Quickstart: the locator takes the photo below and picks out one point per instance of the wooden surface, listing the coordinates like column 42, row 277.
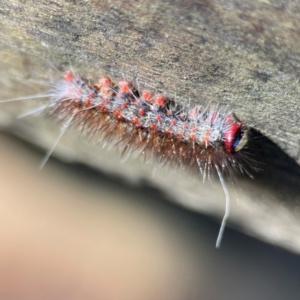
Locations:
column 241, row 54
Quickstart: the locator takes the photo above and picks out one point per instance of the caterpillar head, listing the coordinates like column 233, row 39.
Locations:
column 235, row 135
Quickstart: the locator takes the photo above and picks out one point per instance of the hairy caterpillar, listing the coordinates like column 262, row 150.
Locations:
column 202, row 139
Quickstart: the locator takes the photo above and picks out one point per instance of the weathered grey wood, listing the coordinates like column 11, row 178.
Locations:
column 244, row 54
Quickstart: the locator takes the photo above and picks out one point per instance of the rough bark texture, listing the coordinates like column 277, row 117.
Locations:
column 244, row 54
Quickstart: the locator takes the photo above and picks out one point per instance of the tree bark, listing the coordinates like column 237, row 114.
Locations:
column 240, row 54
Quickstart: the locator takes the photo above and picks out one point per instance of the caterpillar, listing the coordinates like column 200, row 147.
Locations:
column 203, row 139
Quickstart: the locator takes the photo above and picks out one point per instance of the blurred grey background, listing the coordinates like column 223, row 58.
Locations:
column 71, row 232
